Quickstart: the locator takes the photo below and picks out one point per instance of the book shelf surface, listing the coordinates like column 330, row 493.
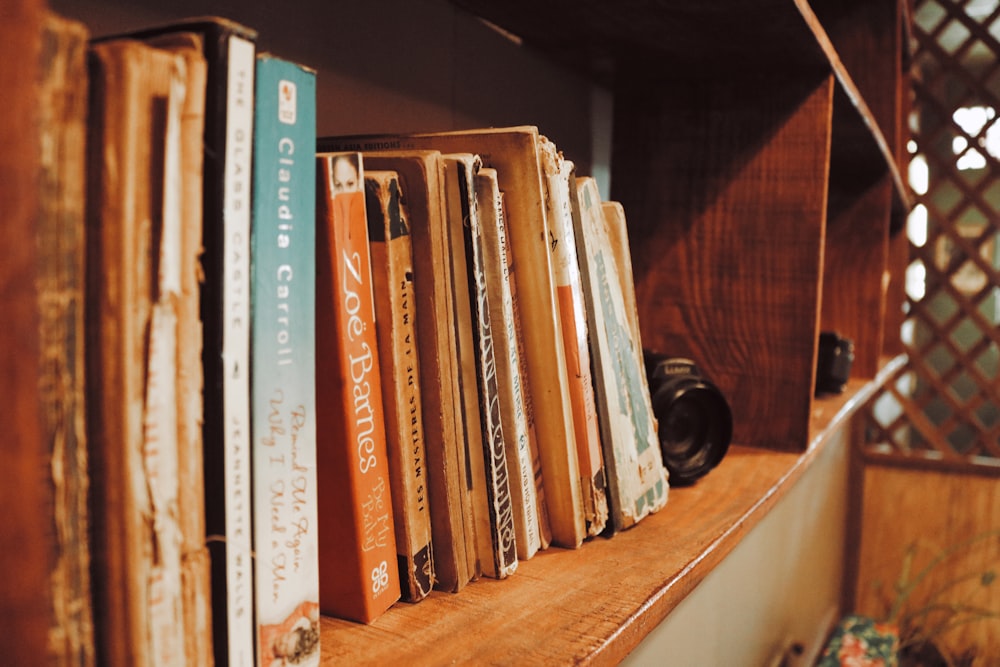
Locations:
column 596, row 603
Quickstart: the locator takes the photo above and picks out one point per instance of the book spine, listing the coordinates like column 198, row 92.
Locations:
column 235, row 592
column 573, row 329
column 130, row 354
column 60, row 246
column 475, row 511
column 359, row 579
column 494, row 452
column 544, row 523
column 636, row 475
column 283, row 386
column 26, row 543
column 510, row 384
column 395, row 313
column 161, row 449
column 195, row 561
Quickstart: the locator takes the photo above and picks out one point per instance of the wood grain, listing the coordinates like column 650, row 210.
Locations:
column 724, row 185
column 594, row 604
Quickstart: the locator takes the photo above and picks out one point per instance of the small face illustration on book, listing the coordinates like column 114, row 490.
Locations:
column 345, row 174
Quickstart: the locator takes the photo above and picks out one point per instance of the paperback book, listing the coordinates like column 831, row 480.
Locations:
column 395, row 317
column 359, row 578
column 283, row 372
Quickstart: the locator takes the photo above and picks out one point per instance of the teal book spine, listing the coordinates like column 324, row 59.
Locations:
column 282, row 373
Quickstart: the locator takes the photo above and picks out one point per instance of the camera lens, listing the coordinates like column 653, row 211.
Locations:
column 695, row 422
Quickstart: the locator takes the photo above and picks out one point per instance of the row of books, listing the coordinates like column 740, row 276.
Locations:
column 309, row 375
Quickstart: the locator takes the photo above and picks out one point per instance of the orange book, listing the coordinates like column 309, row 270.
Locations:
column 357, row 548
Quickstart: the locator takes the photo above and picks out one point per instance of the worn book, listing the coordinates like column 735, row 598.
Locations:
column 359, row 578
column 229, row 50
column 421, row 175
column 513, row 152
column 614, row 222
column 510, row 385
column 457, row 211
column 28, row 542
column 134, row 223
column 493, row 509
column 283, row 372
column 195, row 564
column 62, row 108
column 573, row 327
column 395, row 317
column 637, row 479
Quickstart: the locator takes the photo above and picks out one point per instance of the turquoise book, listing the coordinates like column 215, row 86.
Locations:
column 282, row 372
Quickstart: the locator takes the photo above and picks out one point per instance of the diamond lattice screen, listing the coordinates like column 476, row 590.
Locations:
column 943, row 406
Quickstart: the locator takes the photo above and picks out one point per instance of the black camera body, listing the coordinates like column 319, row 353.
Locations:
column 694, row 421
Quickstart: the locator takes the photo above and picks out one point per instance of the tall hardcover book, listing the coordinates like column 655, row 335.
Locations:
column 637, row 480
column 359, row 579
column 229, row 50
column 62, row 107
column 421, row 175
column 283, row 372
column 28, row 543
column 493, row 507
column 573, row 328
column 134, row 223
column 513, row 152
column 512, row 400
column 395, row 316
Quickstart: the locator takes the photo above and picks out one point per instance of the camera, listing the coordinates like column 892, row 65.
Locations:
column 695, row 423
column 834, row 358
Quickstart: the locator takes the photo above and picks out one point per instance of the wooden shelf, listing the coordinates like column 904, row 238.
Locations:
column 597, row 602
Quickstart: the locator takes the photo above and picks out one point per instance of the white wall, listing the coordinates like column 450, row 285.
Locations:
column 780, row 585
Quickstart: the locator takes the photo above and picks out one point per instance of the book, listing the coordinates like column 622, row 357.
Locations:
column 421, row 175
column 573, row 327
column 133, row 225
column 493, row 508
column 512, row 404
column 476, row 504
column 637, row 479
column 195, row 563
column 396, row 332
column 513, row 152
column 28, row 543
column 59, row 234
column 229, row 50
column 359, row 578
column 284, row 396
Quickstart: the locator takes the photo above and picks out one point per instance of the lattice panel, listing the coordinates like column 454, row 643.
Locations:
column 945, row 405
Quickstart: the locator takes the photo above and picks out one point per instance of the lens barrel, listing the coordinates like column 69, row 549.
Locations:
column 695, row 423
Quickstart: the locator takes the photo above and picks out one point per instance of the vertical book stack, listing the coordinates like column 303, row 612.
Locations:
column 322, row 376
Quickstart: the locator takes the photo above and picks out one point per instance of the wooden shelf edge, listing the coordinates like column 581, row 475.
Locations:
column 596, row 603
column 902, row 200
